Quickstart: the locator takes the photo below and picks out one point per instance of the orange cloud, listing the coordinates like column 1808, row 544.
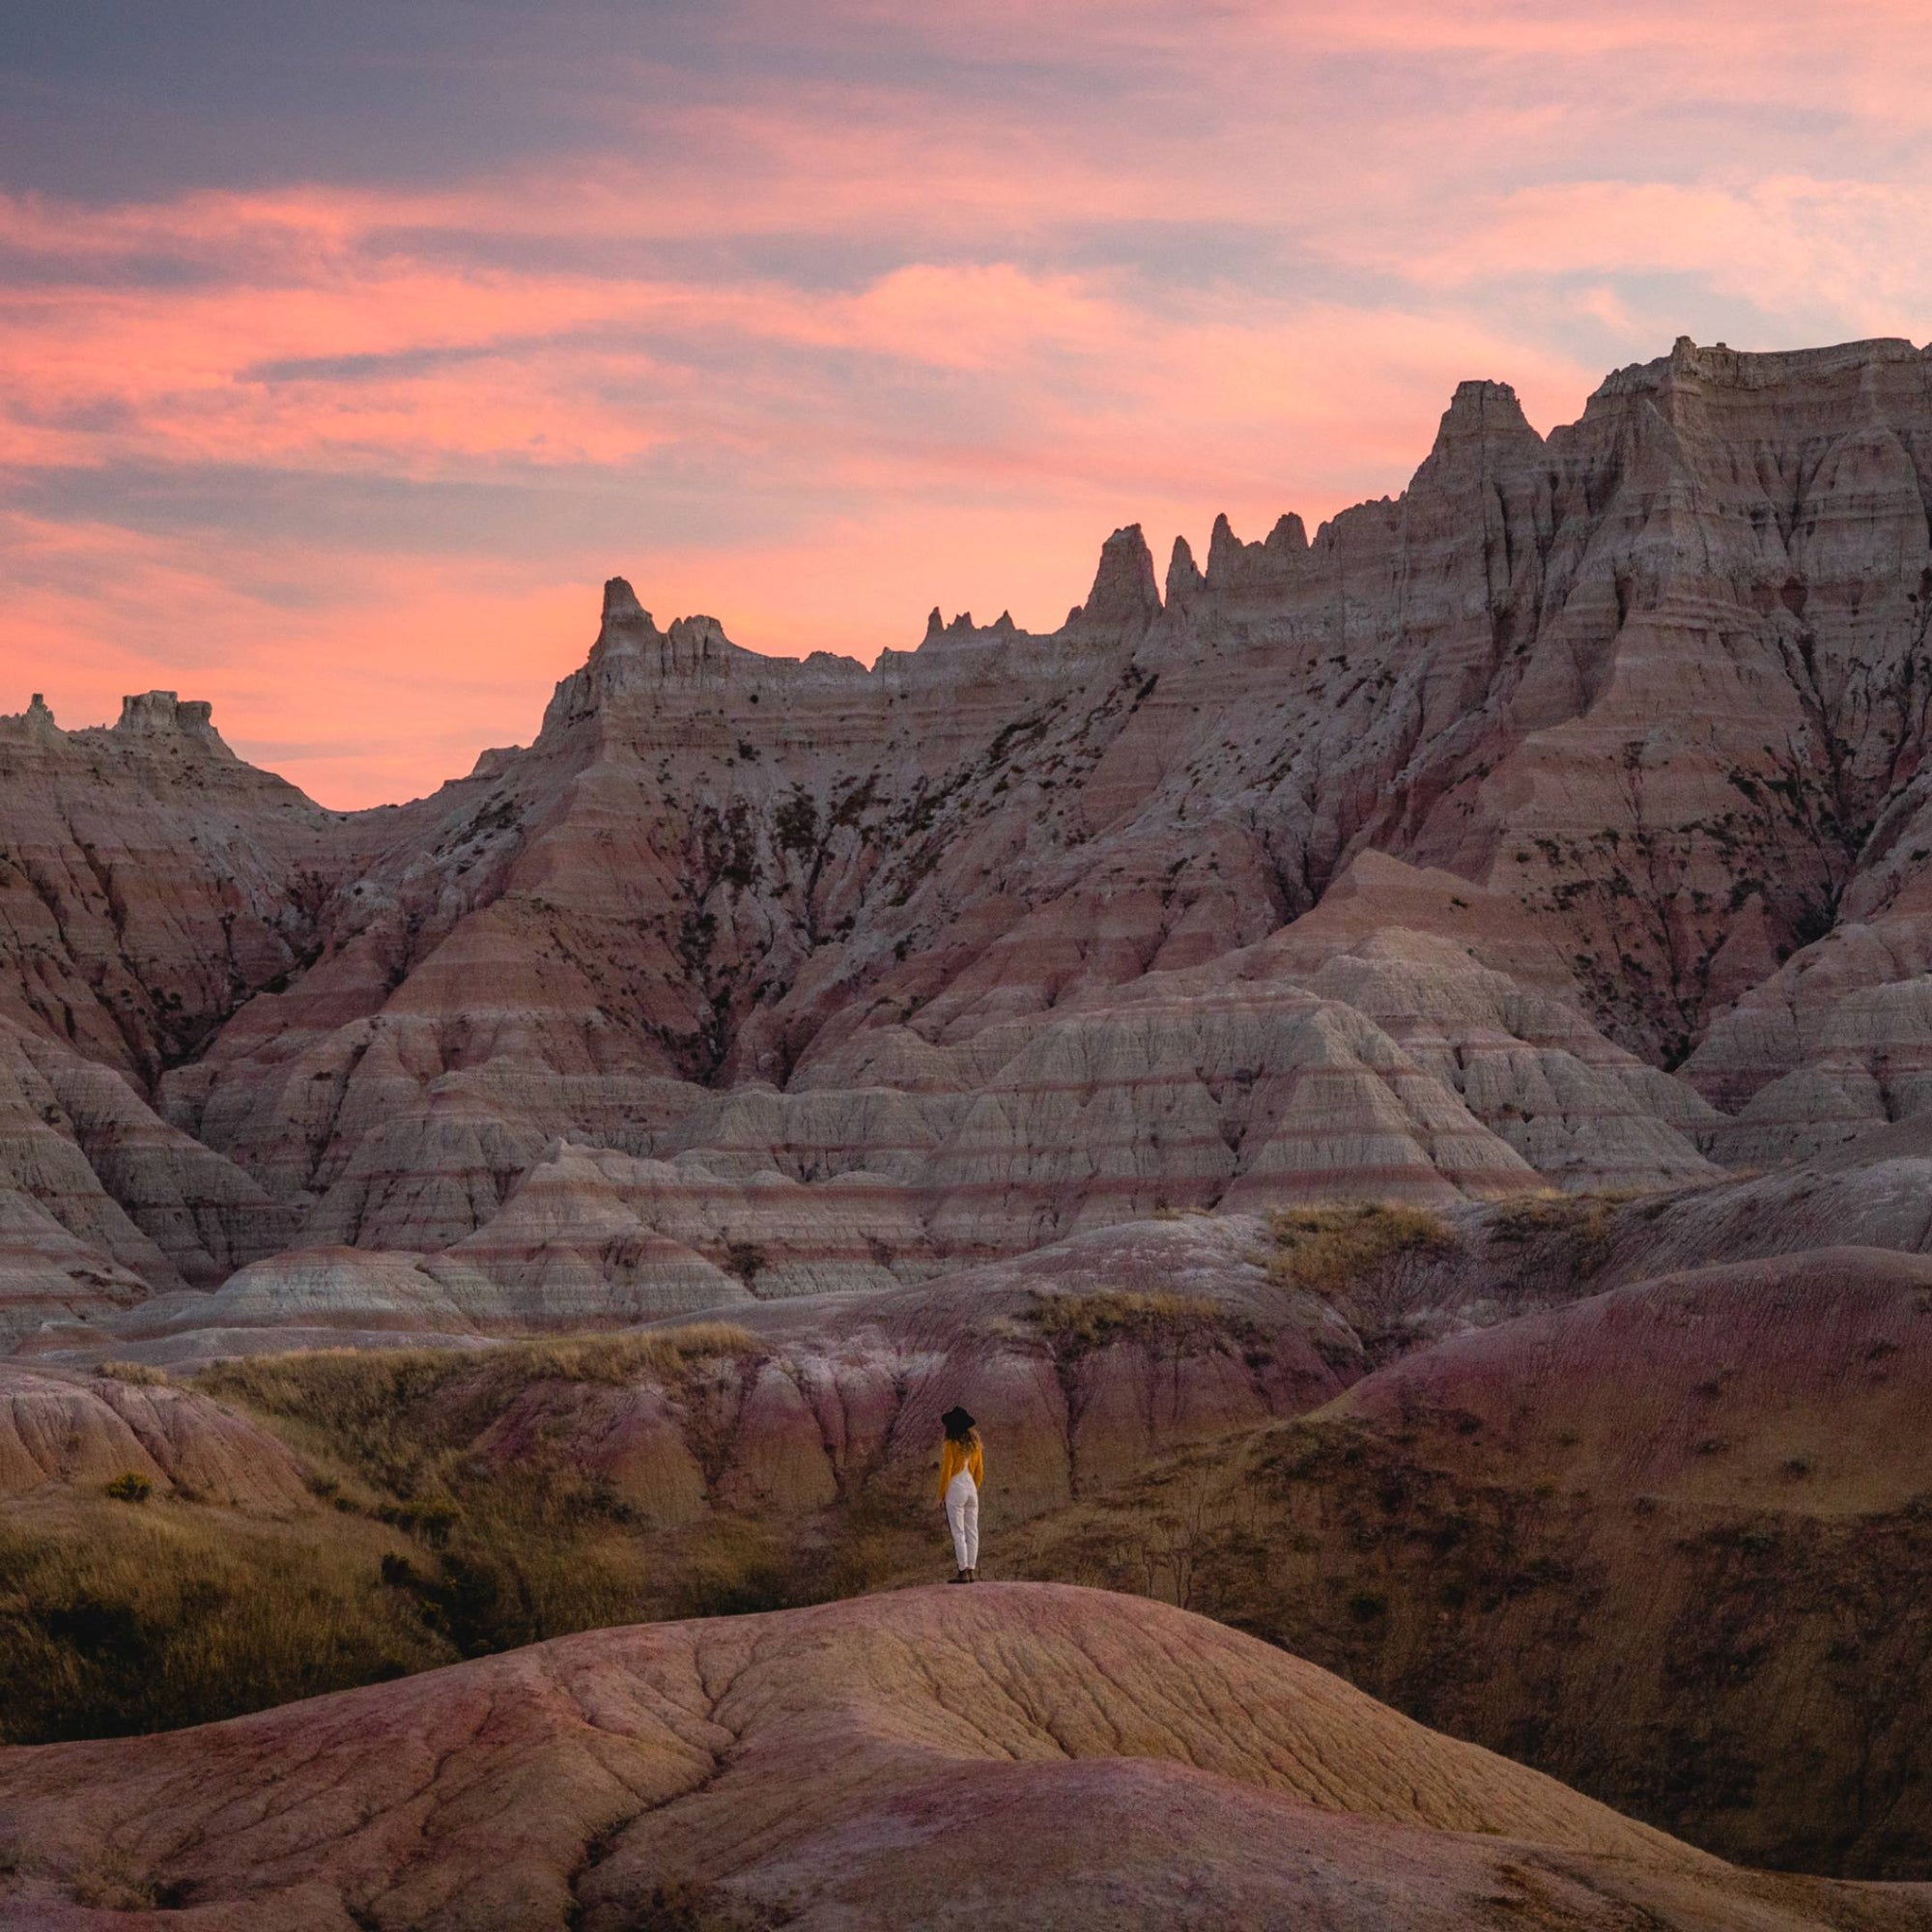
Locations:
column 349, row 459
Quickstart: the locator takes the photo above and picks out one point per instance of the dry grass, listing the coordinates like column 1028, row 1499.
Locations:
column 138, row 1373
column 1531, row 1214
column 125, row 1621
column 1073, row 1325
column 116, row 1620
column 362, row 1382
column 1571, row 1628
column 395, row 1417
column 1327, row 1251
column 1581, row 1222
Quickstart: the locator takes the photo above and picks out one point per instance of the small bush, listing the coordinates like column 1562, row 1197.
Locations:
column 1580, row 1221
column 431, row 1518
column 1326, row 1250
column 1533, row 1214
column 131, row 1487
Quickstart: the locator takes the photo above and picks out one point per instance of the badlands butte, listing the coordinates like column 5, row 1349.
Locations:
column 1392, row 1071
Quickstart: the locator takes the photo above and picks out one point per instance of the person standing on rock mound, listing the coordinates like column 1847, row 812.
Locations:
column 962, row 1469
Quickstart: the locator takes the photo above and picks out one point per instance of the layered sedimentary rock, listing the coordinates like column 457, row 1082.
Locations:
column 1834, row 1044
column 149, row 880
column 1411, row 859
column 997, row 1752
column 1086, row 1360
column 102, row 1203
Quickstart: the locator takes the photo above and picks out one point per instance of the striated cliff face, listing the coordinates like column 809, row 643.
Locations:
column 1558, row 823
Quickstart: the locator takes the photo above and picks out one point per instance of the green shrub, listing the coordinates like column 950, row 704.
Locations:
column 131, row 1487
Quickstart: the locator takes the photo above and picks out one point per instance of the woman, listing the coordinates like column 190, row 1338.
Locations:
column 962, row 1469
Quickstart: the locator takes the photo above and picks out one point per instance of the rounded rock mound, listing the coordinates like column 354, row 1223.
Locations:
column 1022, row 1756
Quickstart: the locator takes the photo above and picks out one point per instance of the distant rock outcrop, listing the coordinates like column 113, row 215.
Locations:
column 62, row 1430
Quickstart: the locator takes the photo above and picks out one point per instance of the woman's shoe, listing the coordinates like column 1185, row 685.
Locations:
column 973, row 1574
column 964, row 1577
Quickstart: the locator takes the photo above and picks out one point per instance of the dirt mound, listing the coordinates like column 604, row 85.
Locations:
column 896, row 1761
column 1537, row 1252
column 1799, row 1379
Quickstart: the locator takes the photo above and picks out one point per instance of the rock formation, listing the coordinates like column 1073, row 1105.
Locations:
column 1556, row 823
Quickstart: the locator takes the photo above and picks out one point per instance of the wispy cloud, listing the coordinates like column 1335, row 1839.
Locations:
column 812, row 321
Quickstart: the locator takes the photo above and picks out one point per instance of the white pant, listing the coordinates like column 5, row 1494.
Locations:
column 962, row 1518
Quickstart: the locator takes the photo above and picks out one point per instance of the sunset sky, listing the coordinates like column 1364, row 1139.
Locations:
column 349, row 348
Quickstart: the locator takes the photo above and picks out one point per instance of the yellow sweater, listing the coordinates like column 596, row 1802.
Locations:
column 957, row 1456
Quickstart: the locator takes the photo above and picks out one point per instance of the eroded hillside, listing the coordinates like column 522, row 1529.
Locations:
column 1555, row 824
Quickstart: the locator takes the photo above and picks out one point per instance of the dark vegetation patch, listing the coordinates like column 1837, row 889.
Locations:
column 174, row 1617
column 1748, row 1679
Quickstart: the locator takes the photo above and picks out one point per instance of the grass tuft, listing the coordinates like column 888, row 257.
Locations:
column 1075, row 1326
column 1327, row 1251
column 137, row 1373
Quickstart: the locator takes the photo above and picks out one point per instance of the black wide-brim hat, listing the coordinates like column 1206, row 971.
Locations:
column 955, row 1421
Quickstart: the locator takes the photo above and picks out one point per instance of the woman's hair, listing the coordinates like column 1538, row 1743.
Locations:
column 969, row 1435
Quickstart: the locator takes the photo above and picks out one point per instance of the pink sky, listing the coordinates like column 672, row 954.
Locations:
column 339, row 419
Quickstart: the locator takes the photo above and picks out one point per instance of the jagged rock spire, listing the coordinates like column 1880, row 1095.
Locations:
column 1125, row 595
column 1184, row 576
column 1234, row 565
column 1289, row 535
column 620, row 602
column 1224, row 550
